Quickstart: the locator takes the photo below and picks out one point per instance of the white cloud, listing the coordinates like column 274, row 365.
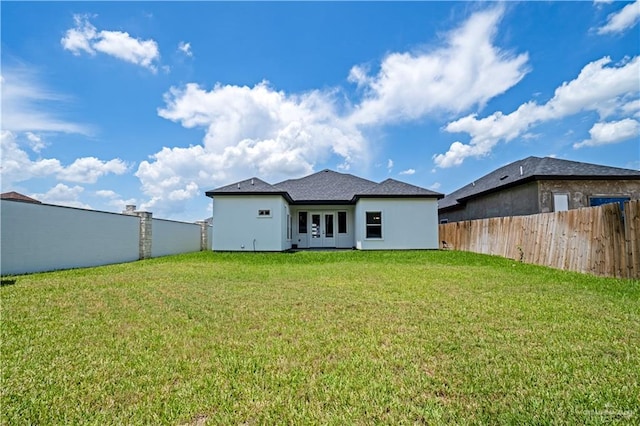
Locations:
column 84, row 37
column 27, row 104
column 89, row 169
column 611, row 132
column 259, row 131
column 389, row 165
column 114, row 199
column 468, row 71
column 185, row 48
column 408, row 172
column 608, row 90
column 248, row 131
column 63, row 195
column 622, row 20
column 435, row 186
column 36, row 142
column 79, row 39
column 17, row 166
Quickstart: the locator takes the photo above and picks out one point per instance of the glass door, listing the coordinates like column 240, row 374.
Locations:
column 322, row 230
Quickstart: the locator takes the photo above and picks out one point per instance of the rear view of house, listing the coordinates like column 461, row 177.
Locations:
column 324, row 210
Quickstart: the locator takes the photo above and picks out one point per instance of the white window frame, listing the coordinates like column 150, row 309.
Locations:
column 263, row 213
column 560, row 196
column 381, row 225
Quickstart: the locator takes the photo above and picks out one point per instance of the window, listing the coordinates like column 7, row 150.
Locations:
column 302, row 222
column 289, row 223
column 560, row 202
column 342, row 222
column 264, row 213
column 374, row 224
column 600, row 200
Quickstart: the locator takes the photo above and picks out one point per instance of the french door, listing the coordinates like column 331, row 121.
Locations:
column 322, row 229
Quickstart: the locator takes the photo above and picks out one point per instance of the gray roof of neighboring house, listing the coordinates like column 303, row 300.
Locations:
column 326, row 187
column 534, row 168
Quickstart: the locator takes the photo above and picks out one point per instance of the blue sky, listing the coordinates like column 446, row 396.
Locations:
column 154, row 103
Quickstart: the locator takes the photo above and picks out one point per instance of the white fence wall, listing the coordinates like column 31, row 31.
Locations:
column 43, row 237
column 39, row 237
column 169, row 237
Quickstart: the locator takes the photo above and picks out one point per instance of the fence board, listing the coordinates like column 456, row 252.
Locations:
column 592, row 240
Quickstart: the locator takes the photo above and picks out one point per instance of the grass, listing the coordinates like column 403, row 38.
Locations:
column 320, row 338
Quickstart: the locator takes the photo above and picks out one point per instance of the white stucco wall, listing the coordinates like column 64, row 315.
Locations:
column 237, row 226
column 37, row 237
column 407, row 223
column 169, row 237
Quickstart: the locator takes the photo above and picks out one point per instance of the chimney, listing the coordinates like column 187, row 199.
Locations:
column 521, row 171
column 129, row 209
column 251, row 181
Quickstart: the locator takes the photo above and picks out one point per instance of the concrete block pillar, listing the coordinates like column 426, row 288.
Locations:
column 146, row 235
column 204, row 235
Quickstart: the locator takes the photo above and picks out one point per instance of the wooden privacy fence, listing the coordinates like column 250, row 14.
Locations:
column 595, row 240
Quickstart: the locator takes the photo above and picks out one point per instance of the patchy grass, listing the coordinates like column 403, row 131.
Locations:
column 320, row 338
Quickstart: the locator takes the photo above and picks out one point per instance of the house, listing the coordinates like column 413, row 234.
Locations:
column 322, row 210
column 16, row 196
column 539, row 185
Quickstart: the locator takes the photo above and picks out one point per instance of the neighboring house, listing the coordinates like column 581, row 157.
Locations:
column 16, row 196
column 539, row 185
column 322, row 210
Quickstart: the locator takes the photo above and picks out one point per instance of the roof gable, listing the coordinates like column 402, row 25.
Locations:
column 394, row 188
column 325, row 185
column 534, row 168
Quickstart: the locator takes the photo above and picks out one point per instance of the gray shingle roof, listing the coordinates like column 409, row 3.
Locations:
column 534, row 168
column 395, row 188
column 326, row 187
column 251, row 185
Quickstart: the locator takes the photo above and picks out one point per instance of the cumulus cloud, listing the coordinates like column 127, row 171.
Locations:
column 185, row 48
column 114, row 199
column 260, row 131
column 600, row 87
column 28, row 105
column 408, row 172
column 35, row 141
column 63, row 195
column 17, row 166
column 389, row 165
column 622, row 20
column 84, row 37
column 611, row 132
column 467, row 71
column 248, row 131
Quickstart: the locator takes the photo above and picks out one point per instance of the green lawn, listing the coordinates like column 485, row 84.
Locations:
column 320, row 338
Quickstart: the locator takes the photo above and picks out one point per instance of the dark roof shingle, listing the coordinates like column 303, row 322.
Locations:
column 326, row 186
column 534, row 168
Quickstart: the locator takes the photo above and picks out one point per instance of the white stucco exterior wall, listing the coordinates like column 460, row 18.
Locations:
column 37, row 237
column 238, row 227
column 169, row 237
column 407, row 223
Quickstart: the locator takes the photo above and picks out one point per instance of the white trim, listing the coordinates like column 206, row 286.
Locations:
column 381, row 225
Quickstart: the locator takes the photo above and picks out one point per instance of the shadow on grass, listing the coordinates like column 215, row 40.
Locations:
column 7, row 282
